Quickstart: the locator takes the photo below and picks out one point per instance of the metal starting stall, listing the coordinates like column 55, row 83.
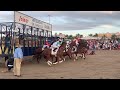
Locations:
column 32, row 33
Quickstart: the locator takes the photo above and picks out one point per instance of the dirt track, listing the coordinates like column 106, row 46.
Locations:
column 103, row 65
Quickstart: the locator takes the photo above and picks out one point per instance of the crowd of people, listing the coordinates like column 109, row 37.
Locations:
column 103, row 44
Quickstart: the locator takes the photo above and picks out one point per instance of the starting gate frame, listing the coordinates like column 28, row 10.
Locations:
column 30, row 37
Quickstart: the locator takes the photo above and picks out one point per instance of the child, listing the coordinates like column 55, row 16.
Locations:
column 10, row 61
column 10, row 64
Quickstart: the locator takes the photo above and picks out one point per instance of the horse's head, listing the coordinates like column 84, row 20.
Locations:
column 63, row 45
column 72, row 44
column 37, row 51
column 82, row 43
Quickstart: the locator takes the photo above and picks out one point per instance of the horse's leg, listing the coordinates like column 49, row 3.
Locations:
column 48, row 61
column 76, row 57
column 52, row 58
column 56, row 61
column 38, row 59
column 62, row 59
column 81, row 55
column 84, row 56
column 70, row 56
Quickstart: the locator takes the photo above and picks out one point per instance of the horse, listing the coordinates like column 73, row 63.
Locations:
column 80, row 49
column 67, row 52
column 61, row 53
column 49, row 56
column 37, row 54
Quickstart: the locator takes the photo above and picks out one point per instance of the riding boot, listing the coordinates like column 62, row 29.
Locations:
column 54, row 49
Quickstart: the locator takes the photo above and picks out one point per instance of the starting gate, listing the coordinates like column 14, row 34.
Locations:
column 32, row 33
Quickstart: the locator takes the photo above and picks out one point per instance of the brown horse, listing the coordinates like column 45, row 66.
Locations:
column 38, row 53
column 49, row 57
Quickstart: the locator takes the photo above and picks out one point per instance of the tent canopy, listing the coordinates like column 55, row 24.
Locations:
column 86, row 38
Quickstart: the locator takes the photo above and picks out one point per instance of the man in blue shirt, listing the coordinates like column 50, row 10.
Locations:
column 18, row 56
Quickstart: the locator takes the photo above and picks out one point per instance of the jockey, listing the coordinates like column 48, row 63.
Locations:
column 76, row 41
column 47, row 45
column 56, row 44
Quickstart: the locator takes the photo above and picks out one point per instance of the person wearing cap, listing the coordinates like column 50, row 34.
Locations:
column 76, row 41
column 47, row 45
column 55, row 46
column 18, row 57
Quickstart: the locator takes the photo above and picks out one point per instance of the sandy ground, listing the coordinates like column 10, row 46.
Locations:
column 103, row 65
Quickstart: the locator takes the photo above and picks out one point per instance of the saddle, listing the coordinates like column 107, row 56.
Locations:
column 54, row 51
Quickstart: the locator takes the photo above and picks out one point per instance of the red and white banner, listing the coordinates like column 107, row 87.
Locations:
column 23, row 19
column 27, row 20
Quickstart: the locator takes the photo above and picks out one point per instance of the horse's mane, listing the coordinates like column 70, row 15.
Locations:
column 63, row 43
column 73, row 43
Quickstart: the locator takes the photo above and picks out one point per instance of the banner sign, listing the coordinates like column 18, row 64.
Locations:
column 27, row 20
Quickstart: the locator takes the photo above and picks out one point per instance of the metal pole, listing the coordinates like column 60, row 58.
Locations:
column 13, row 33
column 49, row 19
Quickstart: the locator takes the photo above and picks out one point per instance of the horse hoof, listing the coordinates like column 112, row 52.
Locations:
column 61, row 61
column 49, row 63
column 55, row 63
column 76, row 58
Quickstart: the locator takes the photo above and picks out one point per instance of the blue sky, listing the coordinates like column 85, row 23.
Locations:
column 73, row 22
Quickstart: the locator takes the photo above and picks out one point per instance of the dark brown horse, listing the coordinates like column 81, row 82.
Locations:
column 80, row 49
column 68, row 52
column 37, row 54
column 60, row 53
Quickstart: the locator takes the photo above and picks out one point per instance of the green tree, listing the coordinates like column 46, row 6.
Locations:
column 91, row 35
column 113, row 36
column 103, row 37
column 81, row 36
column 66, row 36
column 70, row 36
column 96, row 35
column 78, row 35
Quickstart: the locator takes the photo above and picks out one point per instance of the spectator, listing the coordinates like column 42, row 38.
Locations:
column 18, row 57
